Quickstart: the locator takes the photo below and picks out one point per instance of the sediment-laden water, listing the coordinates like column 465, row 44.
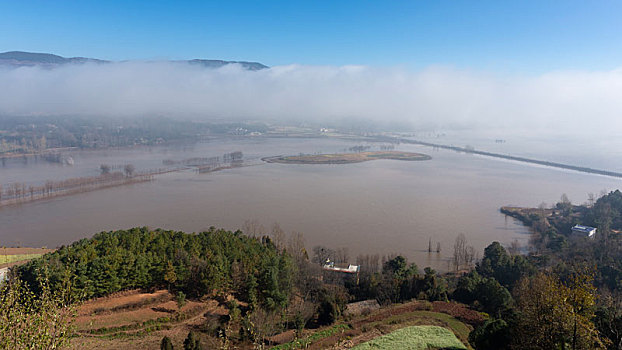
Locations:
column 384, row 206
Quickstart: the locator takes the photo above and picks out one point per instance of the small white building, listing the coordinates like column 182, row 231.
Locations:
column 349, row 268
column 585, row 231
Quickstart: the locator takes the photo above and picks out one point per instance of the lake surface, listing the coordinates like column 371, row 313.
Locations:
column 381, row 206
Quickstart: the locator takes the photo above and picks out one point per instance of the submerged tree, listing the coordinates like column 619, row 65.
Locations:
column 105, row 169
column 129, row 170
column 464, row 255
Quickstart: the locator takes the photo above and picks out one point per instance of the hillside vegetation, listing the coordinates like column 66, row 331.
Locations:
column 415, row 338
column 214, row 262
column 264, row 287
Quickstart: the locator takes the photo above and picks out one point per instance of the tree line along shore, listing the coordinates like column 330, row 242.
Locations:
column 20, row 193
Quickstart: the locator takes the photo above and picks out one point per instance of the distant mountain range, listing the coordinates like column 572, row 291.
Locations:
column 20, row 59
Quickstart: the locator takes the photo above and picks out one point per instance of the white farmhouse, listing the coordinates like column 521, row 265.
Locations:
column 585, row 231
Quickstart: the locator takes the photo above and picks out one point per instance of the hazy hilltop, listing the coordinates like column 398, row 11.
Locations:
column 20, row 58
column 220, row 63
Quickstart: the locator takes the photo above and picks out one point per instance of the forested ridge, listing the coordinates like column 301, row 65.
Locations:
column 210, row 262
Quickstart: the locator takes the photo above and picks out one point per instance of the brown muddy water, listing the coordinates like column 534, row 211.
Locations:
column 381, row 206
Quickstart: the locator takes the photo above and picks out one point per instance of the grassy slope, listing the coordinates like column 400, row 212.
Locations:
column 6, row 259
column 422, row 317
column 415, row 338
column 11, row 256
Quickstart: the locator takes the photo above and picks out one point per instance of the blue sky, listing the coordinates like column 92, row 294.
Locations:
column 498, row 36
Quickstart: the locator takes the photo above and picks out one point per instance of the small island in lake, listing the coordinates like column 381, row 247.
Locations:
column 346, row 158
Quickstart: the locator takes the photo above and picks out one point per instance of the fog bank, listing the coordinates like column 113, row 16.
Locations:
column 436, row 97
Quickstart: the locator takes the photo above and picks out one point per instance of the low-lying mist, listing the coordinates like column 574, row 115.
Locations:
column 435, row 97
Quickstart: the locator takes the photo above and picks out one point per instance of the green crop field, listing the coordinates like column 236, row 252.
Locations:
column 5, row 259
column 415, row 338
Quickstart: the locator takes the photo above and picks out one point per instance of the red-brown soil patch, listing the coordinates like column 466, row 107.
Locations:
column 459, row 311
column 119, row 300
column 284, row 337
column 393, row 311
column 137, row 320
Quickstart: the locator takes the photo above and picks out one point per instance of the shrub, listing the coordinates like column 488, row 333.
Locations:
column 192, row 342
column 493, row 334
column 181, row 299
column 166, row 344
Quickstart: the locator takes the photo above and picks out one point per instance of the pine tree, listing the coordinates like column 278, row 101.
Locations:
column 166, row 344
column 192, row 342
column 169, row 275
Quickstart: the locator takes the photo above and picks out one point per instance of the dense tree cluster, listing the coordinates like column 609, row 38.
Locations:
column 212, row 262
column 553, row 308
column 606, row 213
column 398, row 281
column 485, row 292
column 504, row 268
column 560, row 253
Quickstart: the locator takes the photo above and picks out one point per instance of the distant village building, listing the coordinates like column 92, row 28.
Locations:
column 343, row 268
column 347, row 268
column 585, row 231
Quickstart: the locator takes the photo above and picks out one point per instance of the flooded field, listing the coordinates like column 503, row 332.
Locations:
column 384, row 206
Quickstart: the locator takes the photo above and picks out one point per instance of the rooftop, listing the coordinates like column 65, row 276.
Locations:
column 581, row 228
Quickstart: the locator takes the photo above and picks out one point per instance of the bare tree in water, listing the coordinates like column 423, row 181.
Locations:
column 105, row 169
column 464, row 255
column 129, row 170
